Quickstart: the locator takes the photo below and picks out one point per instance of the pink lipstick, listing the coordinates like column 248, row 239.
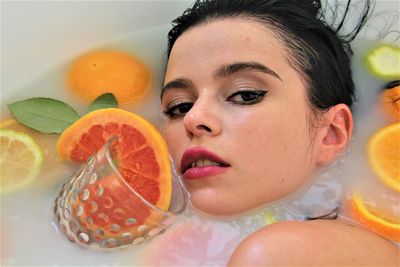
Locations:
column 199, row 162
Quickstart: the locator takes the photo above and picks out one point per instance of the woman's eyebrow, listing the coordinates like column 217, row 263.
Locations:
column 229, row 69
column 176, row 83
column 222, row 71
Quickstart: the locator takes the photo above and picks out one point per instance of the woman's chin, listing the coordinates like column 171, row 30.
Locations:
column 221, row 203
column 215, row 210
column 218, row 205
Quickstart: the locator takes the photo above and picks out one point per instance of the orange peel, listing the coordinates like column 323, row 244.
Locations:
column 385, row 225
column 384, row 155
column 100, row 72
column 390, row 100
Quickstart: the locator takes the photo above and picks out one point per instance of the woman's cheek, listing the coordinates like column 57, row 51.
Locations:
column 177, row 142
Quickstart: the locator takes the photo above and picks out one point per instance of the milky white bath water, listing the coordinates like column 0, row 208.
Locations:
column 29, row 236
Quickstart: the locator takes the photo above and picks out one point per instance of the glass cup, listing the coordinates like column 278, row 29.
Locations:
column 98, row 208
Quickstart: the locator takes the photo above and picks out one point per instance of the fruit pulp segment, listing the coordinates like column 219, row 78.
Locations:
column 137, row 161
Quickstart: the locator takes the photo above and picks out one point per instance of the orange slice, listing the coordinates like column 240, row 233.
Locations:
column 390, row 99
column 100, row 72
column 142, row 157
column 384, row 155
column 383, row 224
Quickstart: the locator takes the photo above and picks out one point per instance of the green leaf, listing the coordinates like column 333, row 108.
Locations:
column 45, row 115
column 104, row 101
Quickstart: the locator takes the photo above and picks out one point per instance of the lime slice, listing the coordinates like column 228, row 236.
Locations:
column 20, row 160
column 384, row 61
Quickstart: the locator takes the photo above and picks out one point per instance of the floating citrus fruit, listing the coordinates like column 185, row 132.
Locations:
column 384, row 155
column 140, row 151
column 115, row 72
column 8, row 123
column 46, row 142
column 20, row 162
column 386, row 225
column 390, row 99
column 384, row 61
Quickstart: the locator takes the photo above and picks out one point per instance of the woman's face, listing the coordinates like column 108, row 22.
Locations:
column 237, row 118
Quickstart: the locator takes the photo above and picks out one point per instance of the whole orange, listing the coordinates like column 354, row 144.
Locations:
column 100, row 72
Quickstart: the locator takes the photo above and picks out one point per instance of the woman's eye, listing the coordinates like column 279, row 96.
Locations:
column 247, row 97
column 178, row 110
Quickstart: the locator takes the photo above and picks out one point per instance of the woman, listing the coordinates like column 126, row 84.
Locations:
column 257, row 96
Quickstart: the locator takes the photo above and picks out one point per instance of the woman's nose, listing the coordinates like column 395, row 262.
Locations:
column 202, row 119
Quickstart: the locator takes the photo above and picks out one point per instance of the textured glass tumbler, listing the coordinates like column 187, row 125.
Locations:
column 98, row 208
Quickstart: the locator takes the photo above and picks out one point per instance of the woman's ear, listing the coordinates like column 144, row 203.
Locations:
column 335, row 134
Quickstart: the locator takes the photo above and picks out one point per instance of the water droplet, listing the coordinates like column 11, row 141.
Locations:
column 93, row 178
column 74, row 226
column 93, row 206
column 79, row 210
column 114, row 228
column 126, row 237
column 138, row 240
column 85, row 194
column 111, row 243
column 103, row 217
column 99, row 190
column 89, row 220
column 130, row 221
column 66, row 214
column 83, row 237
column 98, row 235
column 62, row 202
column 119, row 213
column 143, row 228
column 108, row 202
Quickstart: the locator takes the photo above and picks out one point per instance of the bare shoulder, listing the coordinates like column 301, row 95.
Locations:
column 315, row 243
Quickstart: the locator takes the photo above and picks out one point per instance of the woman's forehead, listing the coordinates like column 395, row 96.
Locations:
column 204, row 49
column 244, row 30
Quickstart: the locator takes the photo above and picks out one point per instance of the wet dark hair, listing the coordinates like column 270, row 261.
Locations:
column 317, row 49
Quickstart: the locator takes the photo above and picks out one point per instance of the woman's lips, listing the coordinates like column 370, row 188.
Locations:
column 191, row 172
column 203, row 172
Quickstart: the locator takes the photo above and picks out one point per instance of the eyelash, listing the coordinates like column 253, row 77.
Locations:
column 187, row 105
column 259, row 94
column 170, row 112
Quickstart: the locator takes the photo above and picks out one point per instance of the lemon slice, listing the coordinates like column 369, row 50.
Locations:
column 7, row 123
column 20, row 160
column 384, row 155
column 384, row 61
column 375, row 220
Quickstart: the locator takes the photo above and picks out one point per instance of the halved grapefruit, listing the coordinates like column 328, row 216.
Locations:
column 143, row 162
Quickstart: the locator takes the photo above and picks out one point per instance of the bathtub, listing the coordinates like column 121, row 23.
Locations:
column 68, row 27
column 35, row 37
